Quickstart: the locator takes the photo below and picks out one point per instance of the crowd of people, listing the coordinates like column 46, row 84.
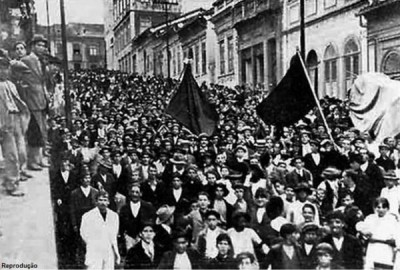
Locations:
column 132, row 188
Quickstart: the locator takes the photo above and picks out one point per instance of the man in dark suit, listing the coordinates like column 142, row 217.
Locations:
column 34, row 93
column 348, row 252
column 146, row 254
column 177, row 196
column 384, row 161
column 176, row 166
column 104, row 180
column 299, row 174
column 63, row 183
column 258, row 213
column 82, row 200
column 153, row 190
column 308, row 243
column 314, row 162
column 132, row 215
column 182, row 257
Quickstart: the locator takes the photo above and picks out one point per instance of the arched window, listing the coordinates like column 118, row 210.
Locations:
column 330, row 65
column 312, row 66
column 351, row 62
column 391, row 64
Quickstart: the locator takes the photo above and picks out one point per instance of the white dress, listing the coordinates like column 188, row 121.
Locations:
column 381, row 228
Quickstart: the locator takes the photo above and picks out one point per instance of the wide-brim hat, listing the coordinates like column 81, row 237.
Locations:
column 240, row 147
column 38, row 38
column 303, row 187
column 105, row 163
column 331, row 173
column 164, row 213
column 178, row 160
column 384, row 146
column 390, row 175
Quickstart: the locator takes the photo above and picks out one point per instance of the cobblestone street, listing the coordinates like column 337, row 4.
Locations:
column 26, row 225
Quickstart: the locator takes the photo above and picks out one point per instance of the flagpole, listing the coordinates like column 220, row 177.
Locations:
column 317, row 101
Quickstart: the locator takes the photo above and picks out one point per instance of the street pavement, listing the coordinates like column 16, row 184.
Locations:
column 26, row 225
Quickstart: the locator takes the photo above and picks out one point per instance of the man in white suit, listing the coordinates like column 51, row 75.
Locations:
column 99, row 230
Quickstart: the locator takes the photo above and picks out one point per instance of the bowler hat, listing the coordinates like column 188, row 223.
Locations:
column 331, row 173
column 303, row 187
column 178, row 159
column 212, row 212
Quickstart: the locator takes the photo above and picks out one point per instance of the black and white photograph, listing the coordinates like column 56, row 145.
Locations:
column 200, row 134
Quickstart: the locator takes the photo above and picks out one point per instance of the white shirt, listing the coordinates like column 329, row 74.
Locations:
column 316, row 157
column 364, row 166
column 117, row 169
column 393, row 196
column 244, row 241
column 338, row 242
column 166, row 227
column 182, row 262
column 211, row 243
column 260, row 214
column 306, row 148
column 177, row 193
column 148, row 249
column 85, row 190
column 308, row 248
column 65, row 176
column 135, row 207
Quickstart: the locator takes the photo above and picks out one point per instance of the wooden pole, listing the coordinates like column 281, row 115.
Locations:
column 48, row 25
column 65, row 66
column 317, row 102
column 302, row 32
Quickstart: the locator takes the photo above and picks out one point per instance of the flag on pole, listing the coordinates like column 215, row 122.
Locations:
column 291, row 99
column 375, row 105
column 191, row 108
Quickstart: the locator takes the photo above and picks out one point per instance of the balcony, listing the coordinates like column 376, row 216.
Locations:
column 245, row 10
column 77, row 57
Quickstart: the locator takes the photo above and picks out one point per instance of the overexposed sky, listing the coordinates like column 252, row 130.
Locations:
column 85, row 11
column 92, row 11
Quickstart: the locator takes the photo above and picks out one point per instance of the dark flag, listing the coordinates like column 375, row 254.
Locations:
column 191, row 107
column 291, row 99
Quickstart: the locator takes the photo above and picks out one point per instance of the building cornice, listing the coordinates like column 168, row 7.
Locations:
column 324, row 17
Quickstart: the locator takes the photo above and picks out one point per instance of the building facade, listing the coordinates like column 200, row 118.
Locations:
column 189, row 36
column 383, row 35
column 133, row 17
column 85, row 44
column 336, row 42
column 111, row 62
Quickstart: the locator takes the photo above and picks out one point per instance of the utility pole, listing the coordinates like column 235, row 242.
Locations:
column 48, row 24
column 65, row 66
column 166, row 4
column 302, row 32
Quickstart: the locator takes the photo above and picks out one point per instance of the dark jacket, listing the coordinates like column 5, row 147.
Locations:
column 80, row 204
column 260, row 228
column 278, row 259
column 293, row 178
column 136, row 258
column 130, row 225
column 168, row 259
column 351, row 254
column 221, row 263
column 153, row 196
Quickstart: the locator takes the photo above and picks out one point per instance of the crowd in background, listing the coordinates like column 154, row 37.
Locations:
column 247, row 196
column 132, row 188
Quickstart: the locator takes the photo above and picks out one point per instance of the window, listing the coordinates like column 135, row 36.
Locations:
column 59, row 49
column 391, row 64
column 312, row 66
column 230, row 55
column 329, row 3
column 197, row 58
column 203, row 58
column 351, row 62
column 93, row 50
column 76, row 49
column 145, row 23
column 222, row 57
column 311, row 7
column 330, row 65
column 294, row 13
column 179, row 60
